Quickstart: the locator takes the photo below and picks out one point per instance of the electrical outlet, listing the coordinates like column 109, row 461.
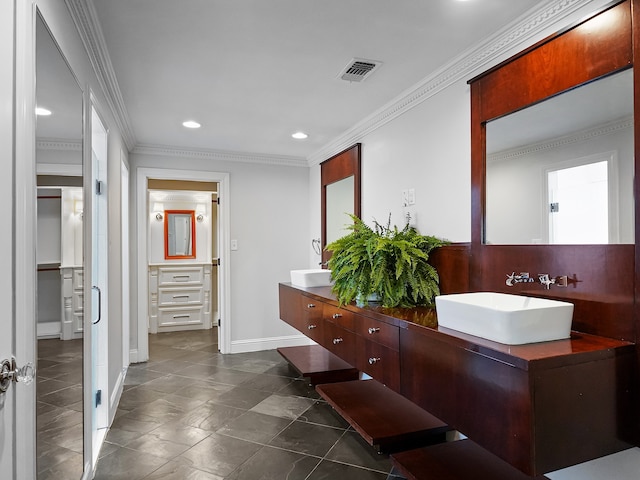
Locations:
column 411, row 196
column 234, row 244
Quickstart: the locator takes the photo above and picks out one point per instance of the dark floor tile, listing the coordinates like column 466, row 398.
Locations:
column 307, row 438
column 352, row 449
column 231, row 377
column 153, row 444
column 70, row 468
column 210, row 416
column 180, row 433
column 240, row 397
column 267, row 383
column 64, row 397
column 125, row 464
column 301, row 388
column 218, row 454
column 254, row 427
column 179, row 471
column 324, row 414
column 283, row 370
column 49, row 455
column 272, row 463
column 328, row 470
column 284, row 406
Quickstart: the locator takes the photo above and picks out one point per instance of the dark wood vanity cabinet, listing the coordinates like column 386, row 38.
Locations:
column 539, row 407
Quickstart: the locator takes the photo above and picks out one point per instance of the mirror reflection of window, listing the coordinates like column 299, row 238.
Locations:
column 593, row 122
column 179, row 234
column 339, row 204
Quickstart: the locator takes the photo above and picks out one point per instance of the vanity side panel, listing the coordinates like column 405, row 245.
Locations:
column 485, row 399
column 290, row 301
column 582, row 411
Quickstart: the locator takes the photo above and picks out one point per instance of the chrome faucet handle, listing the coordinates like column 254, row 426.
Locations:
column 545, row 280
column 511, row 279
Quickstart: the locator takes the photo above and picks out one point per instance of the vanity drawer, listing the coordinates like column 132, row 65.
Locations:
column 379, row 332
column 381, row 362
column 340, row 342
column 311, row 322
column 182, row 275
column 179, row 296
column 168, row 317
column 339, row 316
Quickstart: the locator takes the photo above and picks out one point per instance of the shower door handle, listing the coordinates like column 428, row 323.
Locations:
column 99, row 304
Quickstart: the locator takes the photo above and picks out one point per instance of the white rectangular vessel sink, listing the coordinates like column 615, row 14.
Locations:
column 504, row 318
column 315, row 277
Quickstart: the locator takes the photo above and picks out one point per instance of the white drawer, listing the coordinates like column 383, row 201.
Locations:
column 183, row 275
column 179, row 296
column 168, row 317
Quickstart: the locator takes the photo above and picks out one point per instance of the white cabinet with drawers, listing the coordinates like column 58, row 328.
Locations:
column 72, row 279
column 179, row 297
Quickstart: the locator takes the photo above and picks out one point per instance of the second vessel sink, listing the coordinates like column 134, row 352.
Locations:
column 504, row 318
column 315, row 277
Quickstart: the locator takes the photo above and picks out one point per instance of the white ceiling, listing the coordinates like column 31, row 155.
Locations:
column 252, row 72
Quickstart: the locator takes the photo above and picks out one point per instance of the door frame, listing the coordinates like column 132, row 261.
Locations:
column 141, row 354
column 24, row 234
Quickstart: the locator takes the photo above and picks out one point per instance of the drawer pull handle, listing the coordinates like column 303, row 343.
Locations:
column 336, row 315
column 310, row 305
column 373, row 330
column 182, row 316
column 181, row 276
column 373, row 360
column 338, row 340
column 181, row 296
column 311, row 327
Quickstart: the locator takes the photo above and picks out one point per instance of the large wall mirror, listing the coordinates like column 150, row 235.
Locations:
column 561, row 171
column 340, row 195
column 59, row 140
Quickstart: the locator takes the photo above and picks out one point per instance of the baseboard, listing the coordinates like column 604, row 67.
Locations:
column 117, row 393
column 259, row 344
column 48, row 330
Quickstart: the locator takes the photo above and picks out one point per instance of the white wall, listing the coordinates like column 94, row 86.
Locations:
column 268, row 205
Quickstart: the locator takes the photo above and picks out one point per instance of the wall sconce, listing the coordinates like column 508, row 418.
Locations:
column 201, row 210
column 159, row 216
column 77, row 207
column 200, row 217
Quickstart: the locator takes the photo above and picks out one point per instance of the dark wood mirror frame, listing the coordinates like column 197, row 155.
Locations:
column 602, row 282
column 342, row 165
column 167, row 214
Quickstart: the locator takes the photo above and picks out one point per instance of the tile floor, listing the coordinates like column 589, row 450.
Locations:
column 192, row 413
column 59, row 409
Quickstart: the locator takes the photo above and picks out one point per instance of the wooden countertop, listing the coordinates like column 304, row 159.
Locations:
column 580, row 348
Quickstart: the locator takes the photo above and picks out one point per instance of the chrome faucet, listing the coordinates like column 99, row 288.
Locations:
column 523, row 277
column 547, row 281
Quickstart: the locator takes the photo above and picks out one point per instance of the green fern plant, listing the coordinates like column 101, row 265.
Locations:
column 388, row 262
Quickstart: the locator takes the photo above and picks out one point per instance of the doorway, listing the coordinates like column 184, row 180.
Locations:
column 582, row 207
column 145, row 212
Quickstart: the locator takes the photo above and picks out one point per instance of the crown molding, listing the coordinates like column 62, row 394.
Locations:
column 220, row 156
column 84, row 16
column 563, row 141
column 59, row 144
column 490, row 52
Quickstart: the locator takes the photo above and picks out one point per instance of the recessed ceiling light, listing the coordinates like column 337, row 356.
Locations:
column 299, row 135
column 42, row 111
column 191, row 124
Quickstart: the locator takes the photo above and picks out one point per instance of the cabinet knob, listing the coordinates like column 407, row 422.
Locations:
column 373, row 360
column 336, row 315
column 310, row 305
column 373, row 330
column 338, row 340
column 311, row 327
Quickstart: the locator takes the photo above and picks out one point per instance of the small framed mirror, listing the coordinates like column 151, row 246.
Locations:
column 179, row 234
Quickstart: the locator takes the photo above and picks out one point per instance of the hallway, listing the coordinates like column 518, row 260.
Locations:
column 192, row 413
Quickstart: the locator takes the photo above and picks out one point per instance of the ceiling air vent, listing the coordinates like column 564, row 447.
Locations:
column 358, row 69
